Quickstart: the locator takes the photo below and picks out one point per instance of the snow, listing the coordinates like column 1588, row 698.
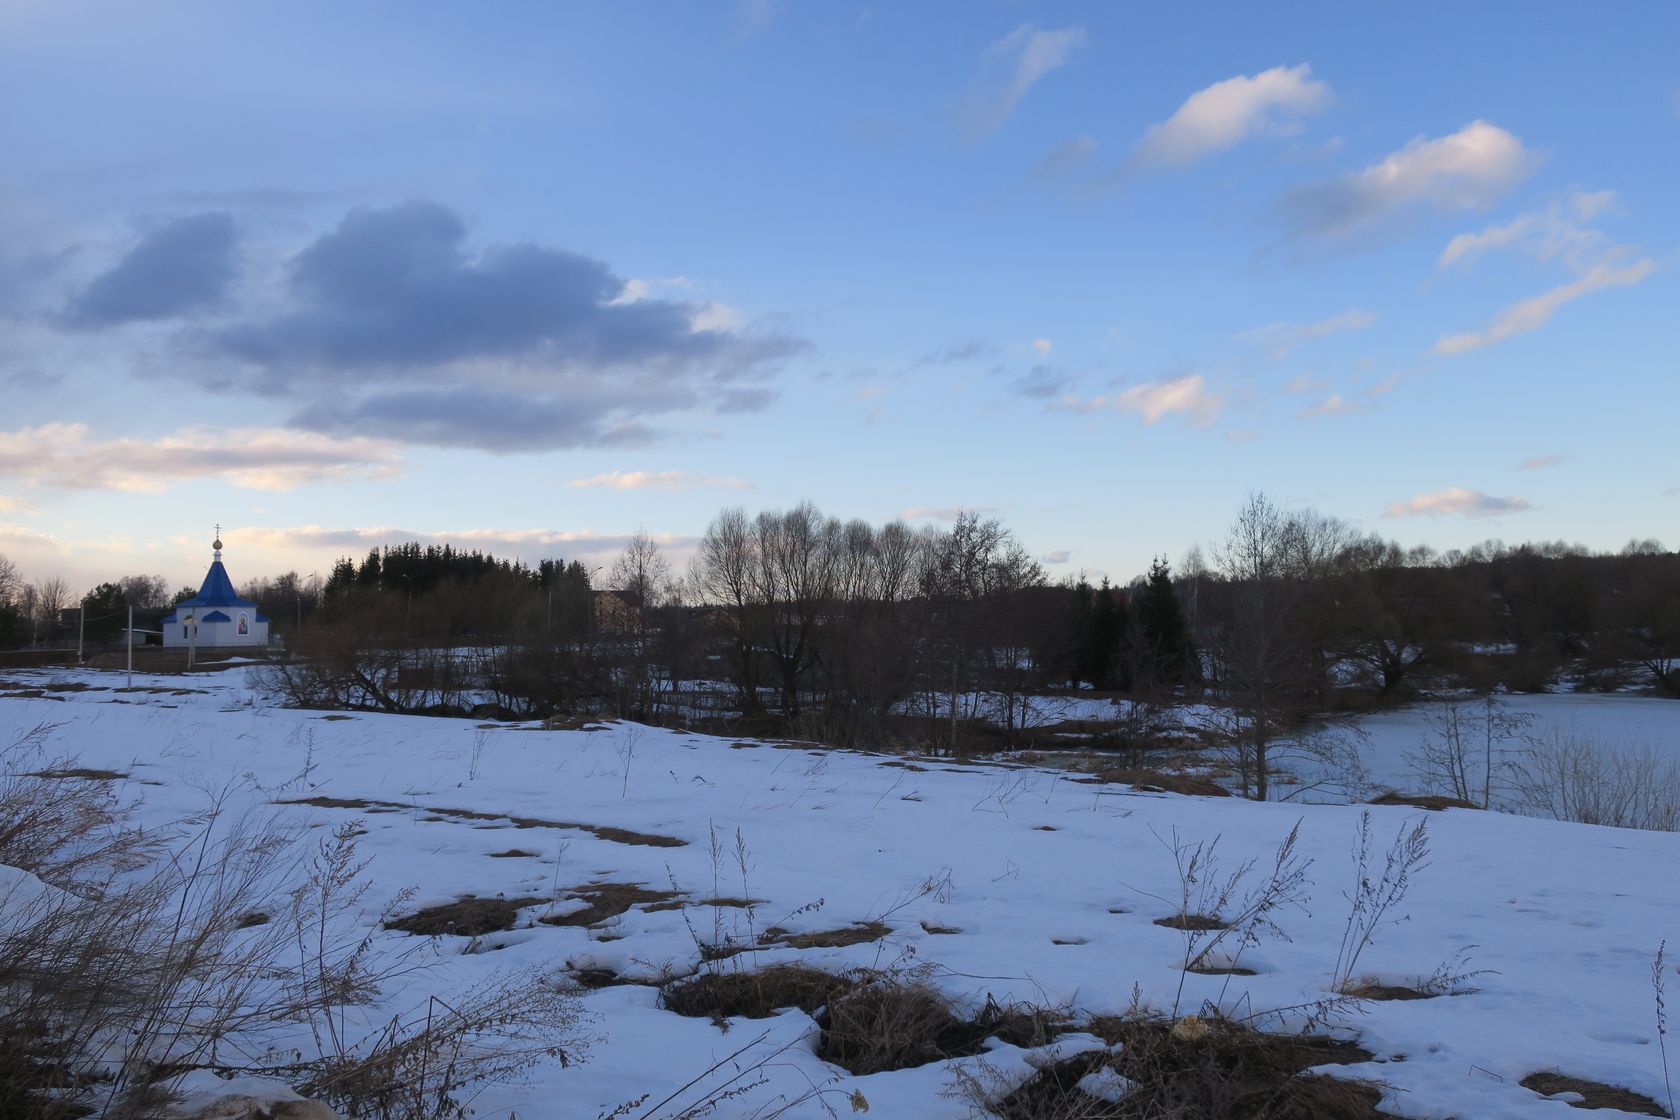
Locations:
column 1565, row 917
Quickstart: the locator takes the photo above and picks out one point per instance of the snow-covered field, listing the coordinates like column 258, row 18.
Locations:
column 1051, row 888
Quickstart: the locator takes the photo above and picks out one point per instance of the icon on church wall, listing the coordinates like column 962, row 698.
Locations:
column 244, row 623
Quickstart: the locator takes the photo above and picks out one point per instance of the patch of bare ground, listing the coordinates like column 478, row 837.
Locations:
column 1205, row 1070
column 83, row 773
column 1433, row 801
column 857, row 934
column 1157, row 781
column 334, row 717
column 1192, row 922
column 513, row 853
column 331, row 802
column 1221, row 970
column 732, row 903
column 612, row 900
column 930, row 927
column 889, row 1022
column 609, row 833
column 595, row 979
column 626, row 836
column 466, row 917
column 1593, row 1094
column 753, row 994
column 1372, row 990
column 573, row 723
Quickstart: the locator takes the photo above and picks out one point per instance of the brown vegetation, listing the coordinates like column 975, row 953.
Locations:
column 466, row 917
column 1594, row 1094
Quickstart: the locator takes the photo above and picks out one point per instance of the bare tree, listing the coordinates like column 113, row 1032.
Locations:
column 51, row 597
column 144, row 591
column 793, row 579
column 722, row 574
column 1264, row 654
column 643, row 576
column 973, row 581
column 11, row 583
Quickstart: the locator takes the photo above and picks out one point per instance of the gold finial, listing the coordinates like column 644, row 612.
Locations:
column 217, row 544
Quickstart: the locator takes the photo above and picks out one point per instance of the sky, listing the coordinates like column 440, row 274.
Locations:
column 534, row 277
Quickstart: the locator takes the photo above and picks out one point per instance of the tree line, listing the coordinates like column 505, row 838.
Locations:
column 869, row 634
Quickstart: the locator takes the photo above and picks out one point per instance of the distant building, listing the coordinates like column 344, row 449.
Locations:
column 215, row 617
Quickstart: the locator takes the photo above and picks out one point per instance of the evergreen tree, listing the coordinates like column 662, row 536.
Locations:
column 1167, row 655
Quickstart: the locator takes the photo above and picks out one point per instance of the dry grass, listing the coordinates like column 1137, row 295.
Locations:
column 1594, row 1094
column 611, row 900
column 1372, row 990
column 754, row 994
column 1432, row 801
column 893, row 1023
column 1216, row 1071
column 896, row 1020
column 860, row 933
column 1196, row 922
column 466, row 917
column 1159, row 781
column 81, row 772
column 602, row 832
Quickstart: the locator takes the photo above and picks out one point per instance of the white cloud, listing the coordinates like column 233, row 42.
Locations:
column 1469, row 170
column 1043, row 345
column 1559, row 230
column 1011, row 67
column 1541, row 462
column 1060, row 556
column 1333, row 405
column 942, row 513
column 1281, row 338
column 635, row 290
column 15, row 505
column 1533, row 313
column 1455, row 499
column 65, row 455
column 1152, row 401
column 1304, row 383
column 715, row 316
column 1229, row 112
column 655, row 480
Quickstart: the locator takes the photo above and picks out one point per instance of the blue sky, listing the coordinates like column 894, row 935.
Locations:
column 536, row 276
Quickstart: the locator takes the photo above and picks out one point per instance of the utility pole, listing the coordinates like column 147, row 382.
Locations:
column 81, row 627
column 131, row 645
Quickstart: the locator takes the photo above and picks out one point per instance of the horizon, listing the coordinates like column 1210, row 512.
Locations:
column 534, row 280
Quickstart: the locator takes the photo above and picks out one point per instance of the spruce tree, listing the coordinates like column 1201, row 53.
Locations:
column 1167, row 651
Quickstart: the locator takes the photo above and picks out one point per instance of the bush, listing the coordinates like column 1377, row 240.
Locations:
column 1566, row 776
